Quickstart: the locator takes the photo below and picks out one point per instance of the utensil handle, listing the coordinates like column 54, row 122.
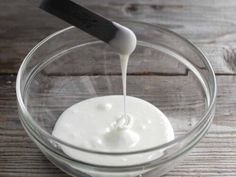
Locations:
column 82, row 18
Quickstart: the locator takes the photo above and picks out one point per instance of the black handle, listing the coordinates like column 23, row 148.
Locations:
column 81, row 17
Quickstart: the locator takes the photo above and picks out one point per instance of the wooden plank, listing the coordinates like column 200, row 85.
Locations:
column 213, row 32
column 215, row 155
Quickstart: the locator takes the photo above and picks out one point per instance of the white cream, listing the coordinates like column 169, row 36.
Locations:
column 89, row 124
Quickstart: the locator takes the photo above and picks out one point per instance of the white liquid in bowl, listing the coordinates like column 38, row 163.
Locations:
column 95, row 124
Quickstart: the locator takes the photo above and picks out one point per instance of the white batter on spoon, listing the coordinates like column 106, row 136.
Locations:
column 114, row 123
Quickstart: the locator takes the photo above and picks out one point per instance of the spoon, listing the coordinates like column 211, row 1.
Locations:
column 116, row 35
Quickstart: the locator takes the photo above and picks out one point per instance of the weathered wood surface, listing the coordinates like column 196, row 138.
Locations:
column 210, row 24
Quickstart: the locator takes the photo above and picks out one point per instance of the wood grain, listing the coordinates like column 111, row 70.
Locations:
column 210, row 24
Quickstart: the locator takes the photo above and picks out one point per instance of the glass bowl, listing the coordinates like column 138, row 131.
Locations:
column 70, row 66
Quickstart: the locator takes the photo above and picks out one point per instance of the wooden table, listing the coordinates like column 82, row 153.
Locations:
column 210, row 24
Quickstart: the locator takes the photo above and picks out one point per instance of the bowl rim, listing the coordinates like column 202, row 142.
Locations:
column 37, row 128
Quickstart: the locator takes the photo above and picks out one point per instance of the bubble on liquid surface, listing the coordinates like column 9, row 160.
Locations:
column 149, row 121
column 143, row 127
column 124, row 121
column 121, row 138
column 104, row 106
column 96, row 142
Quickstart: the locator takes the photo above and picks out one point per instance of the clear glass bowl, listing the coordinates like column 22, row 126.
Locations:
column 70, row 66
